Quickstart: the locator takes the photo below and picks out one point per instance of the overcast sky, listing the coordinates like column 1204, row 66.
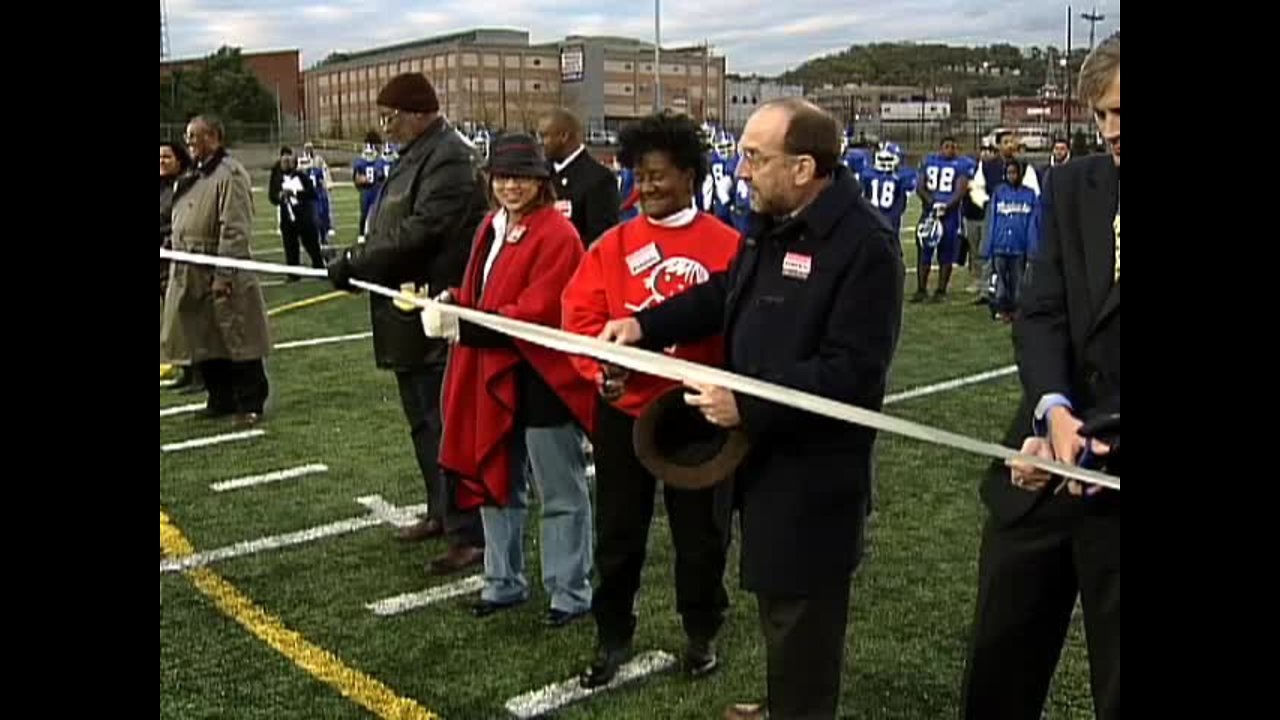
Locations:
column 761, row 36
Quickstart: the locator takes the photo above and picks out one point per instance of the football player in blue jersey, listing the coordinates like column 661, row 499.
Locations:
column 390, row 154
column 856, row 157
column 324, row 182
column 722, row 170
column 368, row 173
column 319, row 179
column 942, row 185
column 885, row 188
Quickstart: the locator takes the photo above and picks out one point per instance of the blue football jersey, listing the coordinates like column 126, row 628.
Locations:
column 941, row 176
column 857, row 159
column 373, row 171
column 887, row 192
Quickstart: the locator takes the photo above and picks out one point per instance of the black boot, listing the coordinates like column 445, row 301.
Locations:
column 191, row 382
column 605, row 666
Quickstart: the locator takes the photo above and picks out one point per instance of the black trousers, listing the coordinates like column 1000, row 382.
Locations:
column 804, row 641
column 1029, row 575
column 303, row 230
column 699, row 522
column 235, row 387
column 420, row 398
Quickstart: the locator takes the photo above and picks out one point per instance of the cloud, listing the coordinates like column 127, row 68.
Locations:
column 763, row 36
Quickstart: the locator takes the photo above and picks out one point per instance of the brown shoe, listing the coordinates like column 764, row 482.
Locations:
column 423, row 530
column 245, row 421
column 746, row 711
column 459, row 557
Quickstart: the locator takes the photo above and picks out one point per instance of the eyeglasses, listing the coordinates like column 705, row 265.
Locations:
column 756, row 160
column 387, row 119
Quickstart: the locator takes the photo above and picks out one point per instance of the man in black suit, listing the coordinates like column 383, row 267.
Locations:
column 586, row 191
column 813, row 301
column 1046, row 540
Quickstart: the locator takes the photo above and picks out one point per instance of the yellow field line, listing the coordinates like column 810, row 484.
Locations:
column 322, row 664
column 308, row 302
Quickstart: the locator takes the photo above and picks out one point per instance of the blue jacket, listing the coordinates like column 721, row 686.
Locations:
column 1013, row 226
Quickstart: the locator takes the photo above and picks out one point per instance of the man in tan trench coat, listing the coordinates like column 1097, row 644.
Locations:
column 220, row 311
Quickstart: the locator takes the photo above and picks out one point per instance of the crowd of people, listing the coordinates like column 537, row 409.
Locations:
column 804, row 287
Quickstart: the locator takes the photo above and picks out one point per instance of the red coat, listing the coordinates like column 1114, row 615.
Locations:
column 637, row 265
column 480, row 399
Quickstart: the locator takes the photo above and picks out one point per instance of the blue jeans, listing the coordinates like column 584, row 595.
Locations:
column 554, row 458
column 1009, row 270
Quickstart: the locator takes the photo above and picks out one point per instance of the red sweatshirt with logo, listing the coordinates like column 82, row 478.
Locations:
column 635, row 266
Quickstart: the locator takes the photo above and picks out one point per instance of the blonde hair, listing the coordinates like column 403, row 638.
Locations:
column 1099, row 68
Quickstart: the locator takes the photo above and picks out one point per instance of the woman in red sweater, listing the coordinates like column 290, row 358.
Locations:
column 635, row 265
column 509, row 404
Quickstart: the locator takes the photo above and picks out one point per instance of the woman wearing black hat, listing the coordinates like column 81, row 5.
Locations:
column 636, row 265
column 507, row 401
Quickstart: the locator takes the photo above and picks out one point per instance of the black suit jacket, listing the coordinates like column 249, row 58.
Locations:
column 1067, row 335
column 804, row 486
column 593, row 191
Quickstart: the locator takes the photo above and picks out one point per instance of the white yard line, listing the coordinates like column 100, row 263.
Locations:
column 274, row 542
column 950, row 384
column 181, row 409
column 211, row 440
column 312, row 342
column 388, row 513
column 277, row 476
column 538, row 703
column 414, row 600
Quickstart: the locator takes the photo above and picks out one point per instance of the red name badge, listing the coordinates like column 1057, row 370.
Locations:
column 797, row 266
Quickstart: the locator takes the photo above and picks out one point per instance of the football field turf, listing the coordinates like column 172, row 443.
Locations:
column 271, row 617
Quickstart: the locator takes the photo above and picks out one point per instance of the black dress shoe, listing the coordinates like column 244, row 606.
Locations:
column 184, row 378
column 560, row 618
column 605, row 666
column 700, row 658
column 484, row 608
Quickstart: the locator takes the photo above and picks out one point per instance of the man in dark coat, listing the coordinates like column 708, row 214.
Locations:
column 1047, row 541
column 586, row 191
column 419, row 236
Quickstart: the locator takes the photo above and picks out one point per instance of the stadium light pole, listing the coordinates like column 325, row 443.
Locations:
column 1094, row 18
column 657, row 57
column 1066, row 67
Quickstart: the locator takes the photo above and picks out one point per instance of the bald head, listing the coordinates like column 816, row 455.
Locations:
column 561, row 133
column 790, row 148
column 809, row 130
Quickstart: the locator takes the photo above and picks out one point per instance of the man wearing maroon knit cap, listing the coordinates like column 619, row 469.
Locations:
column 418, row 238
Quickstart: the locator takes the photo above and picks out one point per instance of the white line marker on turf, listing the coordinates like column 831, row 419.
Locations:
column 273, row 542
column 951, row 384
column 211, row 440
column 181, row 410
column 388, row 513
column 553, row 697
column 430, row 596
column 322, row 341
column 270, row 477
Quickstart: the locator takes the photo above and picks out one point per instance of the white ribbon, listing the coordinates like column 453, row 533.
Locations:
column 662, row 365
